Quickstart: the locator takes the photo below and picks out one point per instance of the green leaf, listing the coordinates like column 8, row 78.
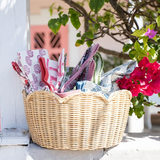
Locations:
column 155, row 38
column 99, row 19
column 145, row 39
column 75, row 21
column 51, row 9
column 132, row 54
column 60, row 13
column 137, row 46
column 131, row 110
column 72, row 11
column 96, row 26
column 89, row 34
column 147, row 104
column 89, row 43
column 138, row 33
column 78, row 34
column 140, row 97
column 79, row 42
column 64, row 19
column 59, row 8
column 54, row 25
column 126, row 47
column 151, row 26
column 158, row 21
column 153, row 103
column 106, row 23
column 96, row 5
column 158, row 94
column 83, row 37
column 139, row 50
column 152, row 51
column 106, row 1
column 139, row 111
column 152, row 55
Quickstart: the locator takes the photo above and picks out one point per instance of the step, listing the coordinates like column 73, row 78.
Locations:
column 134, row 146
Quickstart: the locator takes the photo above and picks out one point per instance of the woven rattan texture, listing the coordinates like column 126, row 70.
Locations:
column 83, row 121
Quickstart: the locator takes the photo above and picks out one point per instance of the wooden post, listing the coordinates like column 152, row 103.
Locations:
column 14, row 36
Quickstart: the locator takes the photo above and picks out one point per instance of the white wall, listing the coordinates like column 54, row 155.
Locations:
column 13, row 37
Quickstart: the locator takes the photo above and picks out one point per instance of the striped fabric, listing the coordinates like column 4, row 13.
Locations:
column 49, row 72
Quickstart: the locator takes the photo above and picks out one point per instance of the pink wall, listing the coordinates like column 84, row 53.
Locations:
column 43, row 37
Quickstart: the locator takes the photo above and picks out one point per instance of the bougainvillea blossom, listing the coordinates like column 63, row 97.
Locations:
column 144, row 79
column 150, row 33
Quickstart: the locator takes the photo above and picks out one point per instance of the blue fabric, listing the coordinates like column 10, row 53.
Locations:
column 108, row 83
column 86, row 86
column 108, row 79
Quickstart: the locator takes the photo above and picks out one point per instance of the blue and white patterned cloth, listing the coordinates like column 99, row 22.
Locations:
column 87, row 86
column 108, row 79
column 108, row 83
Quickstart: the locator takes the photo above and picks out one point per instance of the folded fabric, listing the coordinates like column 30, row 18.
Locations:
column 49, row 72
column 88, row 72
column 30, row 64
column 60, row 75
column 20, row 73
column 85, row 64
column 86, row 86
column 108, row 79
column 67, row 74
column 99, row 63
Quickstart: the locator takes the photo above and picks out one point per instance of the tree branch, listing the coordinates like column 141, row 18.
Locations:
column 121, row 12
column 82, row 11
column 120, row 55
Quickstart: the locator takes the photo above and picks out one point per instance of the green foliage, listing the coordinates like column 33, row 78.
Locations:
column 96, row 26
column 111, row 62
column 126, row 47
column 51, row 9
column 158, row 21
column 89, row 34
column 96, row 5
column 74, row 17
column 89, row 43
column 75, row 21
column 138, row 107
column 64, row 19
column 144, row 47
column 78, row 34
column 54, row 25
column 138, row 33
column 79, row 42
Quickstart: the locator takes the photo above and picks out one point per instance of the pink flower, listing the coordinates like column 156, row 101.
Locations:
column 150, row 33
column 135, row 89
column 144, row 79
column 144, row 62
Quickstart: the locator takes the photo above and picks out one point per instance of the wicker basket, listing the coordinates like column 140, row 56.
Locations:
column 83, row 121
